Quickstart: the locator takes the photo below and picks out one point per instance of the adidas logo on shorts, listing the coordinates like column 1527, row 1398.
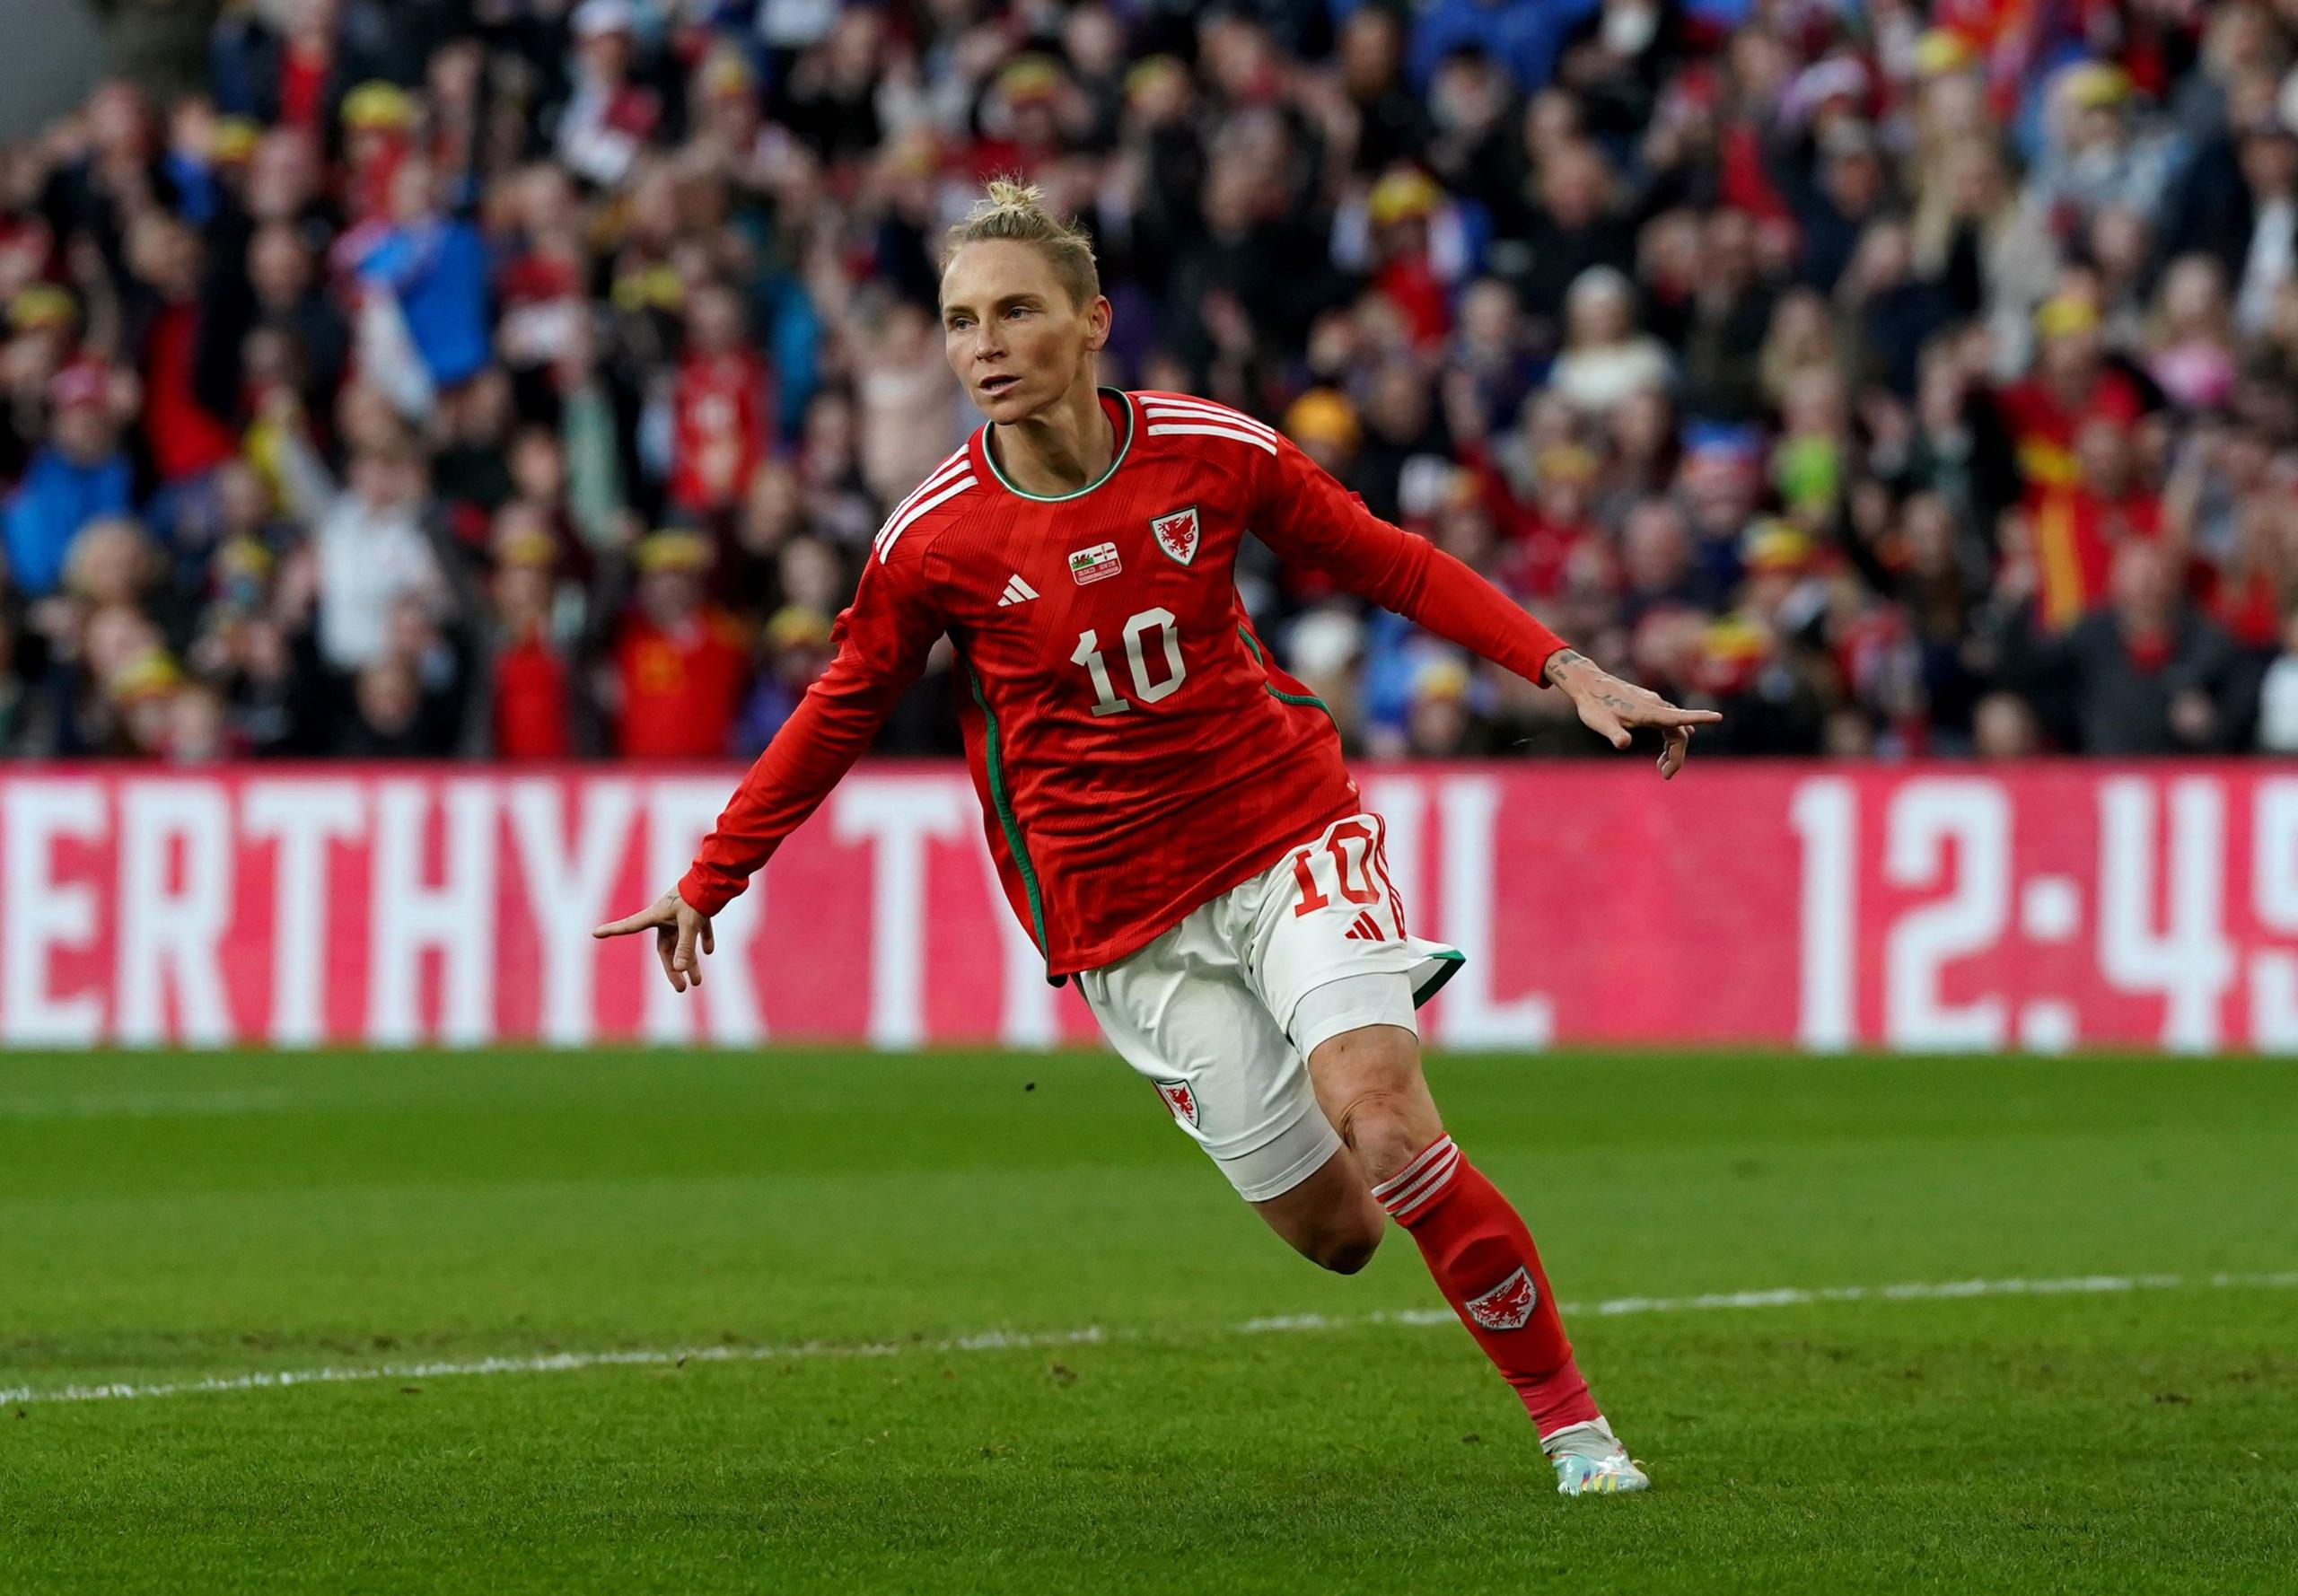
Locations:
column 1364, row 929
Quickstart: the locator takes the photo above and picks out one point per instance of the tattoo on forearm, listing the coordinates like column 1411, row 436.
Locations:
column 1615, row 695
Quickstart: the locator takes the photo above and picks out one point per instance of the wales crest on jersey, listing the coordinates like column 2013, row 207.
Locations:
column 1176, row 534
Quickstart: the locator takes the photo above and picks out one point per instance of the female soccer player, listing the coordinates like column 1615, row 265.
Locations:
column 1168, row 809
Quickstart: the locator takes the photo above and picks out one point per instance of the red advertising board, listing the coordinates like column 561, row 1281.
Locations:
column 1928, row 906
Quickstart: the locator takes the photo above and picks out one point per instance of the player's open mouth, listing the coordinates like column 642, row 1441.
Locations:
column 993, row 386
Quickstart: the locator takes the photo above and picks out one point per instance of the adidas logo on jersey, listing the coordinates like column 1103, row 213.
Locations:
column 1364, row 929
column 1017, row 592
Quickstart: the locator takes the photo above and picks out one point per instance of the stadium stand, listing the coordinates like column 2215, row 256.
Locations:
column 514, row 380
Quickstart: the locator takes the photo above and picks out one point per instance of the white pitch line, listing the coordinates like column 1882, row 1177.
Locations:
column 556, row 1362
column 561, row 1363
column 1791, row 1296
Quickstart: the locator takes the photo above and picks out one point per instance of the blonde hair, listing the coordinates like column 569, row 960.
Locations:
column 1015, row 212
column 101, row 540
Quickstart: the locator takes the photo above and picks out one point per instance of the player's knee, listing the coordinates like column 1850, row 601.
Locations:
column 1346, row 1246
column 1369, row 1079
column 1382, row 1124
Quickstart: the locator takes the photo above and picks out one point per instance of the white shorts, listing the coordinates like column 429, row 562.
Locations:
column 1222, row 1012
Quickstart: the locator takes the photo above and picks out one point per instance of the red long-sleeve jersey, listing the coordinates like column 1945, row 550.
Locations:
column 1135, row 752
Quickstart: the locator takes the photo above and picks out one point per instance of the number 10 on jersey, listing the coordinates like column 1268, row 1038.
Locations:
column 1088, row 653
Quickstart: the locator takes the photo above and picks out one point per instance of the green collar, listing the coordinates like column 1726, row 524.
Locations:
column 1124, row 447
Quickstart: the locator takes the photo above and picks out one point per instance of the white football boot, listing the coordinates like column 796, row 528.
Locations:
column 1590, row 1461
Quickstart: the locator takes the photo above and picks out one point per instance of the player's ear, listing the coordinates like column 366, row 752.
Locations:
column 1098, row 317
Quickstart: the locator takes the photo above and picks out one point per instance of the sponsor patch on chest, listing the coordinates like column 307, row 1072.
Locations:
column 1176, row 534
column 1096, row 564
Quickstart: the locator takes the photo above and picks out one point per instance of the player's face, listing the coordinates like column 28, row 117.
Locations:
column 1010, row 331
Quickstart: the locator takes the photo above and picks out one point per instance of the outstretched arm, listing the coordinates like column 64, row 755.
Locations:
column 881, row 640
column 1302, row 514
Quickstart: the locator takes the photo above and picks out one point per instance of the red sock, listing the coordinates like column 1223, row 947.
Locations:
column 1484, row 1262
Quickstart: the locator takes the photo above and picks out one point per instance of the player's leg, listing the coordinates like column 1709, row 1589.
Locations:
column 1369, row 1079
column 1181, row 1013
column 1333, row 960
column 1332, row 1218
column 1365, row 1063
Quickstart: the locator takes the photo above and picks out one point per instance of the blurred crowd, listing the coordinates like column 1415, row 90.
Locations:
column 526, row 379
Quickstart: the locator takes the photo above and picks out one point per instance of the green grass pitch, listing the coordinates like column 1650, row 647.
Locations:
column 168, row 1219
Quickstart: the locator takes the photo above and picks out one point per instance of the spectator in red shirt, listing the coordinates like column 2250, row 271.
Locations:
column 305, row 65
column 378, row 135
column 2076, row 528
column 531, row 676
column 2250, row 590
column 678, row 668
column 184, row 436
column 1398, row 212
column 2072, row 383
column 721, row 406
column 1543, row 533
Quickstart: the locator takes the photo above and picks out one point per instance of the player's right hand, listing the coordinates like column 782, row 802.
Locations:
column 681, row 936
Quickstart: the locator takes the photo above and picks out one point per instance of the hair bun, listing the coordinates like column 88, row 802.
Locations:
column 1012, row 210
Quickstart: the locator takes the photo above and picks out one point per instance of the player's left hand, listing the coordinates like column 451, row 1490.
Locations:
column 1611, row 708
column 681, row 936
